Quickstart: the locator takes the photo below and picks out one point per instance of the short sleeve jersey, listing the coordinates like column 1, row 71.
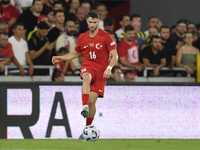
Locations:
column 8, row 13
column 131, row 52
column 95, row 49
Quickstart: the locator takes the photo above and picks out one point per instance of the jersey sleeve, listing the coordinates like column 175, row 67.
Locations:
column 121, row 51
column 78, row 45
column 110, row 43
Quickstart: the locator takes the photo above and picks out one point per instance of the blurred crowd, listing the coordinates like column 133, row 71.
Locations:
column 32, row 31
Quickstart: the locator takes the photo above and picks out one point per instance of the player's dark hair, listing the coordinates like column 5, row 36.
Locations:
column 115, row 67
column 135, row 16
column 164, row 27
column 17, row 24
column 101, row 4
column 154, row 37
column 43, row 25
column 56, row 74
column 129, row 28
column 3, row 33
column 35, row 1
column 58, row 11
column 93, row 14
column 68, row 21
column 109, row 21
column 63, row 49
column 187, row 33
column 127, row 72
column 122, row 17
column 191, row 23
column 151, row 18
column 57, row 2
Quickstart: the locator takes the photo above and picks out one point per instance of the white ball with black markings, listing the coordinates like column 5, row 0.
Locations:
column 91, row 133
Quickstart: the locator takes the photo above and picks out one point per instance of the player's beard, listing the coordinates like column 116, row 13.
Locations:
column 163, row 39
column 93, row 29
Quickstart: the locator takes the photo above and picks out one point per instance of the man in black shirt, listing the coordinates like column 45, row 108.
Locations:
column 55, row 32
column 30, row 19
column 40, row 48
column 153, row 57
column 168, row 47
column 47, row 6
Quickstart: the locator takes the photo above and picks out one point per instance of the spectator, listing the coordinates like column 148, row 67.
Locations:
column 20, row 49
column 135, row 18
column 128, row 50
column 57, row 5
column 55, row 32
column 30, row 19
column 109, row 26
column 87, row 7
column 47, row 6
column 68, row 40
column 173, row 29
column 41, row 18
column 124, row 20
column 9, row 13
column 50, row 20
column 6, row 53
column 153, row 57
column 152, row 23
column 152, row 32
column 39, row 48
column 116, row 75
column 192, row 28
column 58, row 76
column 186, row 55
column 74, row 4
column 3, row 26
column 159, row 25
column 76, row 30
column 103, row 11
column 168, row 47
column 129, row 76
column 142, row 37
column 177, row 37
column 80, row 17
column 65, row 66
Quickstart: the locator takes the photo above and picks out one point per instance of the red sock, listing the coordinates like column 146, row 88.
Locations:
column 85, row 99
column 89, row 121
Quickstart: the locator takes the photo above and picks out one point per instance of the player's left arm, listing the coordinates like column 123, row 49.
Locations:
column 113, row 62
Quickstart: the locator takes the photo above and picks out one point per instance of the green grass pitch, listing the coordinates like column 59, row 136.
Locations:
column 112, row 144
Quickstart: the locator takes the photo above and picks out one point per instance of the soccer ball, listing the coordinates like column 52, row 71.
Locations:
column 91, row 133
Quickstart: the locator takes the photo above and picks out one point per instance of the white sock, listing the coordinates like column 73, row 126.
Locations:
column 85, row 106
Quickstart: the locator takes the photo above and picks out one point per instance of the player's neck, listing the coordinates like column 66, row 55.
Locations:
column 129, row 42
column 92, row 34
column 5, row 5
column 59, row 26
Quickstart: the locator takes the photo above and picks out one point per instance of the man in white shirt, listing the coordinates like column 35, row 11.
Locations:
column 20, row 49
column 68, row 40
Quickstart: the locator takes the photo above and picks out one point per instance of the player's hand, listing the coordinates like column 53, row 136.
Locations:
column 30, row 70
column 56, row 59
column 21, row 71
column 48, row 46
column 107, row 73
column 190, row 70
column 2, row 68
column 156, row 72
column 139, row 67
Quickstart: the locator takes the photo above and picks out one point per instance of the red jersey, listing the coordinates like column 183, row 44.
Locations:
column 95, row 49
column 6, row 53
column 131, row 52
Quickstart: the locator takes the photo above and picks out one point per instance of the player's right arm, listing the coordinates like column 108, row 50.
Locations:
column 69, row 56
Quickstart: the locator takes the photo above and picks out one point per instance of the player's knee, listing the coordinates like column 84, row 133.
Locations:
column 91, row 102
column 87, row 78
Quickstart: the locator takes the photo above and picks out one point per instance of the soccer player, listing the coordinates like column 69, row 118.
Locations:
column 95, row 44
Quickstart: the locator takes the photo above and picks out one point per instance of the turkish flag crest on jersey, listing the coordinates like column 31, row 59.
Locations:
column 99, row 46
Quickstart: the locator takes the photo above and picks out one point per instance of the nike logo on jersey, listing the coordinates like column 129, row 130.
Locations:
column 100, row 91
column 86, row 46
